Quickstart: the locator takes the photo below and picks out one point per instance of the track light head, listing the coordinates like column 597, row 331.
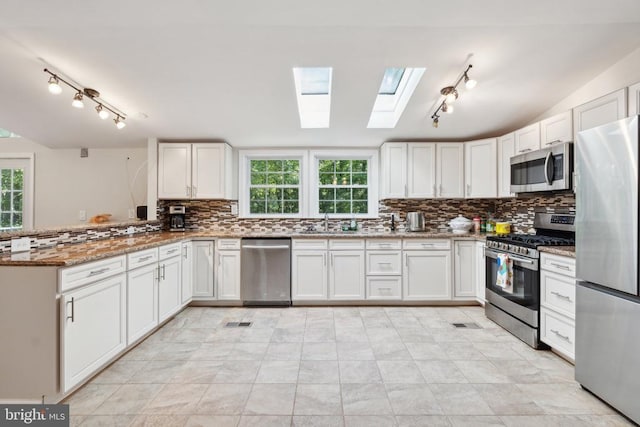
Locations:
column 77, row 100
column 119, row 121
column 54, row 85
column 469, row 83
column 446, row 108
column 435, row 121
column 102, row 112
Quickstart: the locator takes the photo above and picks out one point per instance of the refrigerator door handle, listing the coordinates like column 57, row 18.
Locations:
column 548, row 176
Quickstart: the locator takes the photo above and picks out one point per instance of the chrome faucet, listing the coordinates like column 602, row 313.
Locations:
column 326, row 222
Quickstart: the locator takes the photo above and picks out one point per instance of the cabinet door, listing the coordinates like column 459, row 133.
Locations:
column 142, row 301
column 169, row 288
column 481, row 268
column 481, row 170
column 605, row 109
column 556, row 129
column 393, row 170
column 421, row 170
column 634, row 100
column 427, row 275
column 93, row 328
column 464, row 280
column 309, row 275
column 174, row 171
column 450, row 170
column 209, row 173
column 528, row 138
column 506, row 150
column 346, row 275
column 228, row 277
column 203, row 279
column 187, row 272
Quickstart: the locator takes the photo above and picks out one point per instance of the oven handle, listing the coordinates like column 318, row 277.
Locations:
column 494, row 255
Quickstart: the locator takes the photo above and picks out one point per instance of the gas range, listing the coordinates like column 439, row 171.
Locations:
column 526, row 244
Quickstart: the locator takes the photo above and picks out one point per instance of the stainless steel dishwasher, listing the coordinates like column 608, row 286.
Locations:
column 266, row 272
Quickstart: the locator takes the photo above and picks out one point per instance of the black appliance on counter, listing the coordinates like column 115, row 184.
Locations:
column 518, row 309
column 177, row 218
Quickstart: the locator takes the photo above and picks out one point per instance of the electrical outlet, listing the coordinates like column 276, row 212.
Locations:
column 234, row 209
column 21, row 245
column 132, row 214
column 82, row 215
column 131, row 230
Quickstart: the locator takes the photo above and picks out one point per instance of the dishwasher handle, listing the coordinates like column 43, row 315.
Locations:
column 265, row 247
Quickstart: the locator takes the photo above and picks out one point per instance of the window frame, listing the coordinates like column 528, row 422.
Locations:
column 28, row 193
column 244, row 200
column 372, row 180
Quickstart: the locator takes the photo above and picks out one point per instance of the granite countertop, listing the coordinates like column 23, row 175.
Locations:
column 71, row 254
column 568, row 251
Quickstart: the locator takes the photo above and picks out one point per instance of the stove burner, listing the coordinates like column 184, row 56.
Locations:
column 532, row 240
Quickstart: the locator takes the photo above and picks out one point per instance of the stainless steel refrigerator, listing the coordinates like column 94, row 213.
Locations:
column 607, row 298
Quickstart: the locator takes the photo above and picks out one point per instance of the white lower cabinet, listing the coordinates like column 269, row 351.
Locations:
column 187, row 273
column 93, row 328
column 309, row 275
column 464, row 269
column 427, row 275
column 557, row 303
column 203, row 279
column 228, row 274
column 346, row 275
column 481, row 269
column 142, row 301
column 384, row 287
column 169, row 301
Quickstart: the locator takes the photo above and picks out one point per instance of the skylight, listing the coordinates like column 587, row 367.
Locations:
column 389, row 106
column 7, row 134
column 313, row 92
column 390, row 81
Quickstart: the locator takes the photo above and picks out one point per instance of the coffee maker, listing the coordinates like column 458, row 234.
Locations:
column 176, row 218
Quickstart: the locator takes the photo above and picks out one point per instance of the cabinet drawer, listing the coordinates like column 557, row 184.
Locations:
column 558, row 264
column 384, row 288
column 384, row 263
column 309, row 244
column 384, row 244
column 140, row 258
column 346, row 244
column 82, row 274
column 426, row 244
column 558, row 292
column 168, row 251
column 558, row 331
column 228, row 244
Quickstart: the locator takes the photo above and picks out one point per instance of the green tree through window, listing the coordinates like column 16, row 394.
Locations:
column 274, row 186
column 11, row 198
column 343, row 186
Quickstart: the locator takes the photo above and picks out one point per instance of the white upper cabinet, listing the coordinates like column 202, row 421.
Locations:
column 556, row 129
column 393, row 170
column 450, row 170
column 194, row 171
column 421, row 172
column 634, row 99
column 605, row 109
column 506, row 150
column 481, row 175
column 528, row 138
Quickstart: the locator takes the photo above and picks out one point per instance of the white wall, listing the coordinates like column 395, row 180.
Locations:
column 65, row 183
column 621, row 74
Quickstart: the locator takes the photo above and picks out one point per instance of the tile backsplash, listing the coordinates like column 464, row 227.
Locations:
column 215, row 215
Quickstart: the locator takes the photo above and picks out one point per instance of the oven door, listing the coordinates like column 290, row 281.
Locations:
column 526, row 282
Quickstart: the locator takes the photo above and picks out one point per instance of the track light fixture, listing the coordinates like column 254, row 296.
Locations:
column 103, row 108
column 450, row 94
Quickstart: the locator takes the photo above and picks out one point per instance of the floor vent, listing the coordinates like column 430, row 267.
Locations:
column 238, row 324
column 471, row 325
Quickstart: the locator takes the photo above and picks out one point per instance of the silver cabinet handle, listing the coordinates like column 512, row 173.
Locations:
column 435, row 192
column 188, row 193
column 331, row 256
column 96, row 272
column 194, row 191
column 428, row 245
column 185, row 253
column 563, row 267
column 524, row 150
column 384, row 263
column 163, row 271
column 406, row 192
column 324, row 259
column 468, row 189
column 559, row 295
column 553, row 142
column 170, row 251
column 145, row 258
column 73, row 310
column 564, row 337
column 440, row 190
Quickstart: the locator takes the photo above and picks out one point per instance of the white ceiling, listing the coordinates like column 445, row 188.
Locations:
column 211, row 69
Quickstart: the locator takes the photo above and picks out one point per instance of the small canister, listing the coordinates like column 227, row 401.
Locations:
column 503, row 228
column 483, row 225
column 477, row 224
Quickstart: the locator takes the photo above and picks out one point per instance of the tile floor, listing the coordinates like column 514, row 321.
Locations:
column 336, row 366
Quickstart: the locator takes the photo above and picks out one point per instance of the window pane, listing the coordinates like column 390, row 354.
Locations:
column 327, row 179
column 274, row 194
column 275, row 179
column 6, row 179
column 258, row 178
column 359, row 179
column 327, row 194
column 292, row 166
column 17, row 179
column 315, row 80
column 343, row 194
column 359, row 166
column 343, row 179
column 390, row 81
column 5, row 220
column 291, row 179
column 326, row 166
column 291, row 207
column 360, row 207
column 291, row 194
column 343, row 166
column 5, row 201
column 258, row 165
column 343, row 207
column 274, row 206
column 17, row 201
column 360, row 193
column 327, row 207
column 256, row 194
column 258, row 207
column 274, row 165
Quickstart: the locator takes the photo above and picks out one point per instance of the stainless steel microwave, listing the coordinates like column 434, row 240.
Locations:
column 548, row 169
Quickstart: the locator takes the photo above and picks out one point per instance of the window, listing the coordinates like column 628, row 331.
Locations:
column 15, row 193
column 315, row 81
column 7, row 134
column 396, row 88
column 313, row 93
column 390, row 81
column 274, row 187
